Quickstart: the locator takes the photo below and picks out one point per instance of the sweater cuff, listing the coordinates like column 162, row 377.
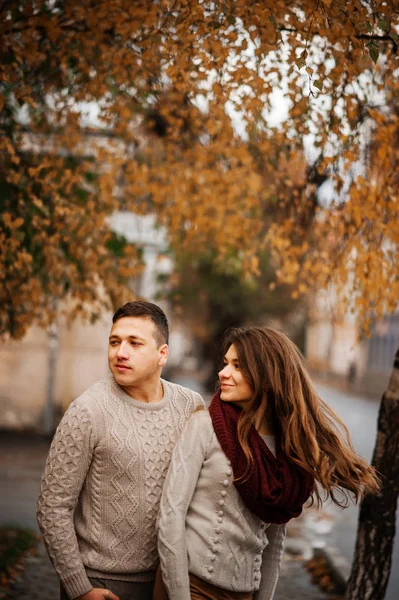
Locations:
column 77, row 584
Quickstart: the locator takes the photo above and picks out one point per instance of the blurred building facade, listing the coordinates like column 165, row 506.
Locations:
column 334, row 347
column 42, row 373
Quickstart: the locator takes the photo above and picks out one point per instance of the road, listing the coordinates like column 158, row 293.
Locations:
column 22, row 460
column 338, row 528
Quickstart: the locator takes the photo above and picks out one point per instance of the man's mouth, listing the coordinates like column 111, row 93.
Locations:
column 122, row 367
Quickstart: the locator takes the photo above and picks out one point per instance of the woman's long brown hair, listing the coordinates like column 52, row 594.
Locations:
column 312, row 435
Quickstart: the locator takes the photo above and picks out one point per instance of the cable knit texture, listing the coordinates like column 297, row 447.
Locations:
column 204, row 527
column 107, row 463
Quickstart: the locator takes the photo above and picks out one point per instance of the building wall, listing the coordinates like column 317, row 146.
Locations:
column 317, row 344
column 23, row 376
column 332, row 346
column 80, row 360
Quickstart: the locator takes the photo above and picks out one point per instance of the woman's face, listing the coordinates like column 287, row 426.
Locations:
column 233, row 386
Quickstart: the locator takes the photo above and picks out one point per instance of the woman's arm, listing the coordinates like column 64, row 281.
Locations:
column 271, row 562
column 183, row 474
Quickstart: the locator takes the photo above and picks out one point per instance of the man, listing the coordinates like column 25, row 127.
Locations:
column 107, row 465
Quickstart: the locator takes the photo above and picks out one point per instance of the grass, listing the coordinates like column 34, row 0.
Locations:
column 15, row 542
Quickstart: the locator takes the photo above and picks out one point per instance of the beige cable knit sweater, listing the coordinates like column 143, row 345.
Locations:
column 107, row 463
column 204, row 527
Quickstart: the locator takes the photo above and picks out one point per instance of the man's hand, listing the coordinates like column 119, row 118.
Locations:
column 98, row 594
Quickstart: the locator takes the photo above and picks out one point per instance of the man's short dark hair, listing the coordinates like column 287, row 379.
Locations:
column 139, row 308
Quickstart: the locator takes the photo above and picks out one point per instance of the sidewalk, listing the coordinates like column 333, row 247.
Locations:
column 39, row 581
column 22, row 460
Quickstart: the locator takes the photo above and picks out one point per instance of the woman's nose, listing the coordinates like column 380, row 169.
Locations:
column 224, row 373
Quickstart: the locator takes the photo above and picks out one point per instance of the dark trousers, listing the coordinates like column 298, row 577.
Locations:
column 125, row 590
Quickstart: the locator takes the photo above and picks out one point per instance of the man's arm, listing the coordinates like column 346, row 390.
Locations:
column 66, row 468
column 271, row 562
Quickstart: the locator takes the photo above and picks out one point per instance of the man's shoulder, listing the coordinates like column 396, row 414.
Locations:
column 93, row 395
column 184, row 394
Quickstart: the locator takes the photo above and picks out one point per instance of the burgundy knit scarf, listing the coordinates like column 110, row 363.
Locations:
column 275, row 488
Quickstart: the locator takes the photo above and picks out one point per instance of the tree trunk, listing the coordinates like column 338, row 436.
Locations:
column 376, row 528
column 49, row 408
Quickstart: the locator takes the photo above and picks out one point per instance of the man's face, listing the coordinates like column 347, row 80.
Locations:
column 134, row 356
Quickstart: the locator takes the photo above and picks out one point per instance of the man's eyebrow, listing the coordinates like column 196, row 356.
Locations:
column 129, row 337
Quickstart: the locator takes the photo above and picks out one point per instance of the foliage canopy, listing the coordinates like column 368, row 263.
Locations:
column 222, row 118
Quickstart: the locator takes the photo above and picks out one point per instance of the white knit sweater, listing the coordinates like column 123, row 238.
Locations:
column 204, row 528
column 107, row 463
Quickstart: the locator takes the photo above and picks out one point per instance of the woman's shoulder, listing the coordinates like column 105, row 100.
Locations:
column 201, row 417
column 199, row 423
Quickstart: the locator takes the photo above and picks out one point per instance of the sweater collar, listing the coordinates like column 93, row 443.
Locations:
column 119, row 392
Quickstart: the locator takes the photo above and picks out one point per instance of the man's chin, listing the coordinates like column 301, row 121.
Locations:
column 123, row 378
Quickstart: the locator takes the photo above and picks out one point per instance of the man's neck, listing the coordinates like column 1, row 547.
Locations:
column 149, row 392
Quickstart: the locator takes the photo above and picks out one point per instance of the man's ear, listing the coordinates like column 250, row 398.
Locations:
column 164, row 351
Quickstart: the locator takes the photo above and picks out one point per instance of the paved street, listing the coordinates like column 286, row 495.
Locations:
column 22, row 460
column 40, row 582
column 21, row 463
column 338, row 527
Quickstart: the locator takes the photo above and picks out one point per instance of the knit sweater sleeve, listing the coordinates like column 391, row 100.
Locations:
column 184, row 470
column 64, row 475
column 271, row 562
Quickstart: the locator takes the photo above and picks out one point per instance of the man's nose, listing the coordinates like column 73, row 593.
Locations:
column 123, row 351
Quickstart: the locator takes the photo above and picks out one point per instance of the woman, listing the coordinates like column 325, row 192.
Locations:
column 243, row 469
